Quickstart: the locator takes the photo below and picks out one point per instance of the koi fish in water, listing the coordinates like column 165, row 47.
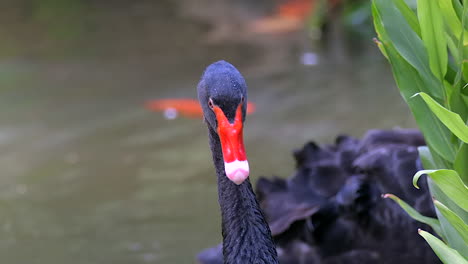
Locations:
column 186, row 107
column 288, row 16
column 298, row 9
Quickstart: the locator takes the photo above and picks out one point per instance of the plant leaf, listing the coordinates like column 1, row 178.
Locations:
column 432, row 222
column 450, row 119
column 426, row 158
column 460, row 226
column 455, row 100
column 458, row 8
column 461, row 163
column 452, row 43
column 432, row 27
column 450, row 183
column 410, row 82
column 461, row 48
column 445, row 253
column 450, row 235
column 418, row 175
column 451, row 19
column 409, row 15
column 465, row 70
column 408, row 44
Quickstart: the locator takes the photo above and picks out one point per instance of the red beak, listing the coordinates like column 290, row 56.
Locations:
column 232, row 144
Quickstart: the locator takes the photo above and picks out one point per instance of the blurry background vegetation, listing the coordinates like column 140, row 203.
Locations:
column 427, row 51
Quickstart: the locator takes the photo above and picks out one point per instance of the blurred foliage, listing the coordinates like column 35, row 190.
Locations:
column 427, row 47
column 354, row 15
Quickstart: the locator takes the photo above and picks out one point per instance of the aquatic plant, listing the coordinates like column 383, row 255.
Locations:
column 428, row 53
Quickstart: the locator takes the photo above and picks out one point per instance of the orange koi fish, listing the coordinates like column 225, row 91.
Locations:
column 288, row 16
column 186, row 107
column 298, row 9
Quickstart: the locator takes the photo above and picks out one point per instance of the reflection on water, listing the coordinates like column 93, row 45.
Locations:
column 89, row 176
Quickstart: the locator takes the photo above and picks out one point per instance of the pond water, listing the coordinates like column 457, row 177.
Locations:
column 87, row 175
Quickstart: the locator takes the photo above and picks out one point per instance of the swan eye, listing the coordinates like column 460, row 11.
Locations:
column 210, row 104
column 242, row 99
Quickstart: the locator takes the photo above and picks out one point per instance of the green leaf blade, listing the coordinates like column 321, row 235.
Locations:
column 432, row 27
column 432, row 222
column 409, row 15
column 451, row 19
column 450, row 183
column 445, row 253
column 450, row 119
column 408, row 44
column 461, row 163
column 426, row 158
column 460, row 226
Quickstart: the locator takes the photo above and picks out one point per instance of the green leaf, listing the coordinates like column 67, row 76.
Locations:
column 432, row 27
column 450, row 119
column 460, row 226
column 465, row 70
column 445, row 253
column 450, row 235
column 418, row 175
column 461, row 163
column 410, row 82
column 426, row 158
column 456, row 103
column 432, row 222
column 452, row 43
column 408, row 44
column 457, row 6
column 461, row 50
column 437, row 136
column 449, row 182
column 409, row 15
column 451, row 19
column 434, row 161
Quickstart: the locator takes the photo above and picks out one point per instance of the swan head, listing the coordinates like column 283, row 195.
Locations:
column 222, row 93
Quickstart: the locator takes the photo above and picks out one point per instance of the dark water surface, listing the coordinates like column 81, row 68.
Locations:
column 87, row 175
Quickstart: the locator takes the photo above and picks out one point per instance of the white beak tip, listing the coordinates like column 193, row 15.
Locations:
column 237, row 171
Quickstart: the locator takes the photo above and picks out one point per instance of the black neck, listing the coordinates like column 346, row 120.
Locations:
column 246, row 235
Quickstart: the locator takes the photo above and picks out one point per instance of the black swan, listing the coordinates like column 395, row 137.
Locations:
column 330, row 211
column 222, row 93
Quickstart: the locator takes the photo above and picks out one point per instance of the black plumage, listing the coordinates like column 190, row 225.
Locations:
column 330, row 210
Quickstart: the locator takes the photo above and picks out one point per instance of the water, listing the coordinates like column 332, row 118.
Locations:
column 89, row 176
